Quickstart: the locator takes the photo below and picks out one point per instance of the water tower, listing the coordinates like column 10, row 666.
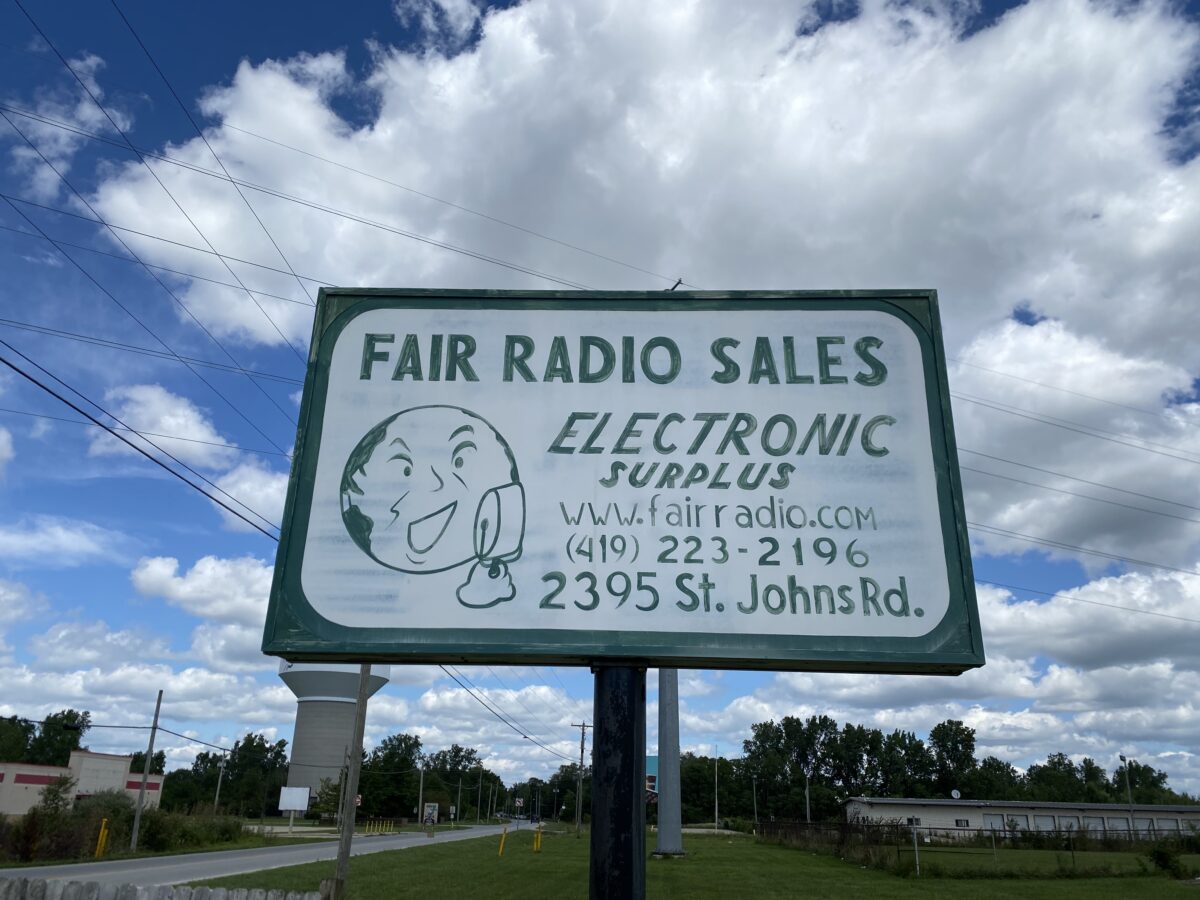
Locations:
column 325, row 699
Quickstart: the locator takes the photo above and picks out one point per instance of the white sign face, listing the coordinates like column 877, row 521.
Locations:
column 294, row 799
column 770, row 473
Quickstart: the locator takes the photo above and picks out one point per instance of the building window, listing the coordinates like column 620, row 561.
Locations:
column 961, row 823
column 912, row 820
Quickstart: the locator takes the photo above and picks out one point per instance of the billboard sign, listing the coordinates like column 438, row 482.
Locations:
column 735, row 480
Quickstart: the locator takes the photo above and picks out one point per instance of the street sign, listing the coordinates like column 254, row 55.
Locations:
column 723, row 480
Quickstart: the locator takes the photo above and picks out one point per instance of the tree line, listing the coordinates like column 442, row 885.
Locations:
column 781, row 759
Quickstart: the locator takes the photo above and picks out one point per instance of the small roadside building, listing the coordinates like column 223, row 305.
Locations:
column 1098, row 819
column 21, row 784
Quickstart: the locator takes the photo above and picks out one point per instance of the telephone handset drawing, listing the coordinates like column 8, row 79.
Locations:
column 500, row 525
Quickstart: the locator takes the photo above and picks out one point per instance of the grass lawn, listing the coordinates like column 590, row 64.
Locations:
column 247, row 841
column 976, row 860
column 715, row 867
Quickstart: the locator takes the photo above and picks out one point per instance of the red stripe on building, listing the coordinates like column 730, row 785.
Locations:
column 27, row 778
column 1, row 776
column 137, row 785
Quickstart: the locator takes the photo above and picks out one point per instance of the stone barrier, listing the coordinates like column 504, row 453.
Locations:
column 41, row 889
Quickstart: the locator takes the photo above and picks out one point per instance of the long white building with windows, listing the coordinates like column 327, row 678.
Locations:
column 1096, row 819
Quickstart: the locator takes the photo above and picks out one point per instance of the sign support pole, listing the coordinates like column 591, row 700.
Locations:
column 352, row 770
column 618, row 838
column 670, row 823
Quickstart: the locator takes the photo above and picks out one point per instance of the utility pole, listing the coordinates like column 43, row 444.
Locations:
column 1128, row 794
column 807, row 809
column 457, row 809
column 421, row 796
column 583, row 727
column 353, row 767
column 141, row 800
column 754, row 790
column 479, row 798
column 716, row 798
column 220, row 777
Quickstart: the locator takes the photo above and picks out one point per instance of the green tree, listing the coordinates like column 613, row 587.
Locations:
column 389, row 782
column 57, row 736
column 953, row 745
column 255, row 771
column 157, row 766
column 1055, row 781
column 906, row 766
column 1096, row 786
column 994, row 779
column 15, row 736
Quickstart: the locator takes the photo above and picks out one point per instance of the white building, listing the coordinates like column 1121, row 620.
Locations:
column 1098, row 819
column 21, row 784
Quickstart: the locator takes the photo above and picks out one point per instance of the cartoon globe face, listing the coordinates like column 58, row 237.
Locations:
column 413, row 486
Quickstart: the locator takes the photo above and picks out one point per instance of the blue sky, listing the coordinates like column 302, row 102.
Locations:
column 1035, row 164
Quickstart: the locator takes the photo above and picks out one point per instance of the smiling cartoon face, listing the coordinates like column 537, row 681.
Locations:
column 413, row 485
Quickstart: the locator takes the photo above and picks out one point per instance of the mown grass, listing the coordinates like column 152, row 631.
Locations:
column 959, row 861
column 715, row 867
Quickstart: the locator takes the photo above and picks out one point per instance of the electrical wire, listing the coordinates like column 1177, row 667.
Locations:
column 451, row 204
column 1046, row 487
column 160, row 282
column 1099, row 484
column 111, row 255
column 308, row 203
column 116, row 127
column 1076, row 427
column 154, row 237
column 500, row 716
column 1064, row 596
column 144, row 351
column 172, row 437
column 1116, row 557
column 125, row 440
column 200, row 132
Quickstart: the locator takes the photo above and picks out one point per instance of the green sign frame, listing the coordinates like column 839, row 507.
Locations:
column 297, row 631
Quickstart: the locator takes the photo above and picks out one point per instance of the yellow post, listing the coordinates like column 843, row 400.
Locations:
column 101, row 838
column 503, row 835
column 537, row 839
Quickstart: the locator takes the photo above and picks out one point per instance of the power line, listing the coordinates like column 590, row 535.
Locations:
column 500, row 716
column 150, row 169
column 1076, row 427
column 1046, row 487
column 154, row 237
column 517, row 694
column 144, row 351
column 1116, row 557
column 130, row 251
column 450, row 203
column 310, row 204
column 124, row 440
column 173, row 437
column 1055, row 387
column 88, row 275
column 1064, row 596
column 110, row 255
column 1075, row 478
column 200, row 132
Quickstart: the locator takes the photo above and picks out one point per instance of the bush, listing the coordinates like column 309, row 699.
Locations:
column 1165, row 857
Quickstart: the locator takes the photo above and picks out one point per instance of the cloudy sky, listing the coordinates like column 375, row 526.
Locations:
column 1035, row 162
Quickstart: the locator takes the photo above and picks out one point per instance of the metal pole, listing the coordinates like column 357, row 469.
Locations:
column 421, row 796
column 1129, row 795
column 479, row 798
column 457, row 809
column 916, row 851
column 670, row 825
column 220, row 777
column 618, row 840
column 583, row 727
column 716, row 796
column 141, row 800
column 754, row 790
column 352, row 770
column 807, row 808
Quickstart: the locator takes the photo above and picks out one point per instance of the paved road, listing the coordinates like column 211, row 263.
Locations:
column 190, row 867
